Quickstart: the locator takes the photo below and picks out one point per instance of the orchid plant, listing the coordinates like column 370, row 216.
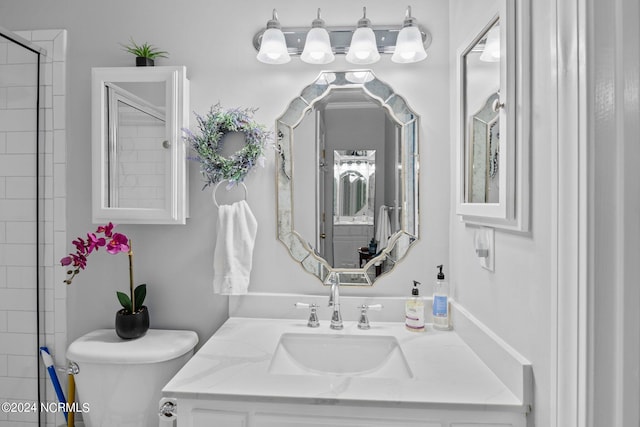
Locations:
column 114, row 243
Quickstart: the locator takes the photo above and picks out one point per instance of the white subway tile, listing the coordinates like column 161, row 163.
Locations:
column 3, row 52
column 48, row 299
column 21, row 143
column 47, row 257
column 21, row 278
column 60, row 214
column 60, row 315
column 59, row 146
column 59, row 78
column 17, row 210
column 44, row 35
column 22, row 97
column 21, row 232
column 19, row 255
column 21, row 321
column 48, row 323
column 18, row 75
column 47, row 74
column 3, row 321
column 3, row 142
column 3, row 275
column 18, row 344
column 21, row 187
column 3, row 97
column 18, row 120
column 17, row 165
column 59, row 180
column 3, row 187
column 19, row 388
column 3, row 366
column 60, row 46
column 17, row 54
column 59, row 113
column 22, row 366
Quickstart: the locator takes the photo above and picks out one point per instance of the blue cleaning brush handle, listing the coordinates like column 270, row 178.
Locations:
column 48, row 362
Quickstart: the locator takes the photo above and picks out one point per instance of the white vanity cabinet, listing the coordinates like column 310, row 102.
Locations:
column 194, row 412
column 240, row 378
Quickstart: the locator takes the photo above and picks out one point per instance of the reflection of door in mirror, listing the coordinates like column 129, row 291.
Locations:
column 354, row 170
column 481, row 88
column 139, row 158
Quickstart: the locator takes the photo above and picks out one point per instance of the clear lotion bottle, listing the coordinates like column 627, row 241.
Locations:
column 441, row 303
column 414, row 310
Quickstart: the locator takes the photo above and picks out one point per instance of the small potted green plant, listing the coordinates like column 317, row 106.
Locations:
column 145, row 53
column 132, row 321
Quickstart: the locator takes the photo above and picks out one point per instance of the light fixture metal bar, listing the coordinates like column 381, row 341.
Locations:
column 340, row 37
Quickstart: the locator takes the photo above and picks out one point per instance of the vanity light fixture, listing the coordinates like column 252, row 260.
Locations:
column 317, row 47
column 273, row 49
column 491, row 51
column 409, row 47
column 362, row 45
column 363, row 48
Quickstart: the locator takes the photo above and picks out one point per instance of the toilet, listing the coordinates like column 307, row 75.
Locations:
column 120, row 381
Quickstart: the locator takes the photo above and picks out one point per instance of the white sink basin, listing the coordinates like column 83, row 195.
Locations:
column 351, row 355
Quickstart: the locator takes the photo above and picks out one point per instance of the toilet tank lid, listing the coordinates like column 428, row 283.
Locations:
column 157, row 345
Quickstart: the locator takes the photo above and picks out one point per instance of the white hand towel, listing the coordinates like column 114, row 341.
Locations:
column 383, row 227
column 232, row 258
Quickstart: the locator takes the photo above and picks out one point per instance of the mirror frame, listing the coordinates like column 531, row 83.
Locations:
column 512, row 210
column 175, row 210
column 399, row 243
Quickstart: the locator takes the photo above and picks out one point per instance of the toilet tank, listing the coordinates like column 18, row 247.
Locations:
column 120, row 381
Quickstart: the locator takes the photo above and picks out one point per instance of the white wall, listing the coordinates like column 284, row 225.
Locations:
column 514, row 301
column 213, row 39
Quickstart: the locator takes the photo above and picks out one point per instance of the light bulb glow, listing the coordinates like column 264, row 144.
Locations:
column 273, row 48
column 317, row 47
column 363, row 48
column 409, row 46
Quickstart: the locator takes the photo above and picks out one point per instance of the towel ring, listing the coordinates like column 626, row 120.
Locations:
column 213, row 194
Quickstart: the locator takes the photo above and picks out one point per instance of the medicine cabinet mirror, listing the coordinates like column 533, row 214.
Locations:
column 138, row 155
column 492, row 154
column 347, row 173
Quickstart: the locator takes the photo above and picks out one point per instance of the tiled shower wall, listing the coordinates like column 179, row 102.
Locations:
column 18, row 271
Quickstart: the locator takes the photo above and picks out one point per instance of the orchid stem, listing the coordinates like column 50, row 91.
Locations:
column 133, row 301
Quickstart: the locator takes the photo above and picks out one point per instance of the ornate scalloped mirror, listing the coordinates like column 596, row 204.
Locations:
column 347, row 177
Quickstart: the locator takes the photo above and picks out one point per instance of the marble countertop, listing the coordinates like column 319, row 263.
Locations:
column 234, row 364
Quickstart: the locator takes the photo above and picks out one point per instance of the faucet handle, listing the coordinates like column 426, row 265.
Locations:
column 313, row 314
column 363, row 323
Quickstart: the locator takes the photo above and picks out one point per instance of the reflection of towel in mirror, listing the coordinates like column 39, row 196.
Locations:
column 233, row 254
column 383, row 227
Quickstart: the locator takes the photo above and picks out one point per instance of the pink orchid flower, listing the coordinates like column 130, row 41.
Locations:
column 118, row 243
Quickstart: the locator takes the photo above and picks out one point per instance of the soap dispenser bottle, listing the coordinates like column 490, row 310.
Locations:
column 441, row 302
column 414, row 310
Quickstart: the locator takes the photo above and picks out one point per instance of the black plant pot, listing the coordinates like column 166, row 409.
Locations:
column 144, row 62
column 129, row 326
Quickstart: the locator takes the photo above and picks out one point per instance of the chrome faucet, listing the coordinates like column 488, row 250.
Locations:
column 334, row 301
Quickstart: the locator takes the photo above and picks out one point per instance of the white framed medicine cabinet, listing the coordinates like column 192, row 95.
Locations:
column 492, row 176
column 139, row 165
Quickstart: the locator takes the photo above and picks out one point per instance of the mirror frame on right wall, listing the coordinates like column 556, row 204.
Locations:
column 511, row 210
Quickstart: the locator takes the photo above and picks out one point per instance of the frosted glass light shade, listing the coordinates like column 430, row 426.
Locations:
column 409, row 47
column 273, row 48
column 491, row 51
column 317, row 47
column 363, row 48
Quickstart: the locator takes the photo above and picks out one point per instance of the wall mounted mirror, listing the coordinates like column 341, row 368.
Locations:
column 347, row 174
column 139, row 163
column 492, row 155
